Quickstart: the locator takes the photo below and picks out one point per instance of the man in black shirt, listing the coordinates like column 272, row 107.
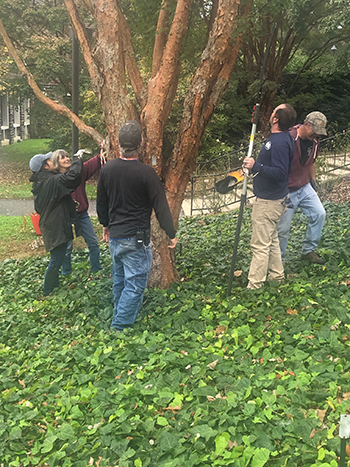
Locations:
column 127, row 192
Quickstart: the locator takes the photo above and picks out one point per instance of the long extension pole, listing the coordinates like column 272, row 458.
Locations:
column 255, row 120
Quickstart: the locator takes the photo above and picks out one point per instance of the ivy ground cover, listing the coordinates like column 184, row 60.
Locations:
column 256, row 379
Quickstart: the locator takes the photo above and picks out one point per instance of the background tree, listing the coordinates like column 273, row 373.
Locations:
column 128, row 84
column 306, row 30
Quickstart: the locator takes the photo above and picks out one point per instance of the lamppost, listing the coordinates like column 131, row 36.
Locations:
column 75, row 90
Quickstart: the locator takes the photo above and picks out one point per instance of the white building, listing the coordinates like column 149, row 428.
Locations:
column 14, row 121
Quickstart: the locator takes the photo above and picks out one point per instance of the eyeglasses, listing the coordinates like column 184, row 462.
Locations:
column 64, row 157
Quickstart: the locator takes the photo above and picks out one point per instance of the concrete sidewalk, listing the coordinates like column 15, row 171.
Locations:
column 24, row 207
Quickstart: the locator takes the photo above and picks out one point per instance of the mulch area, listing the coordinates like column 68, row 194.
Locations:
column 340, row 192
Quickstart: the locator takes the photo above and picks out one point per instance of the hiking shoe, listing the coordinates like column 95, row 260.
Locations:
column 313, row 257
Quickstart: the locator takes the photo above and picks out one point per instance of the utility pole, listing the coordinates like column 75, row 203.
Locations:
column 75, row 90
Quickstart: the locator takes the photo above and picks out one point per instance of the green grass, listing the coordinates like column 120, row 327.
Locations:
column 16, row 235
column 91, row 191
column 23, row 151
column 16, row 191
column 19, row 240
column 15, row 173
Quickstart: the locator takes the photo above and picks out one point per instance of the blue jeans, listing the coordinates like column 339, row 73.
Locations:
column 91, row 241
column 131, row 268
column 52, row 272
column 308, row 201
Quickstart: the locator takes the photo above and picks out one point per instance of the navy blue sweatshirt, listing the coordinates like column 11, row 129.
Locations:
column 273, row 165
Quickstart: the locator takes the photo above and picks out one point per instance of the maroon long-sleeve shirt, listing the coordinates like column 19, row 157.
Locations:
column 89, row 168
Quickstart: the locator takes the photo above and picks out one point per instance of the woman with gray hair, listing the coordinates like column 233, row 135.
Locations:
column 63, row 163
column 53, row 201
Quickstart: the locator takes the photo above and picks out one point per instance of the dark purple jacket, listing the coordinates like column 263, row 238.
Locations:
column 89, row 168
column 300, row 175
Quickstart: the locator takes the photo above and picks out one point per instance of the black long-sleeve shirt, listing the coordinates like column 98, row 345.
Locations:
column 127, row 192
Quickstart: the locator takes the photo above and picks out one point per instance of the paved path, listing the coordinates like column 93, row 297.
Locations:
column 24, row 207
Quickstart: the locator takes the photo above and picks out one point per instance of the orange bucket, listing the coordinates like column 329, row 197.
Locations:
column 35, row 217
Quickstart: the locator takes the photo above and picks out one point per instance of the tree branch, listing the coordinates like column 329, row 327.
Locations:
column 172, row 49
column 82, row 38
column 161, row 36
column 56, row 107
column 161, row 90
column 160, row 85
column 206, row 90
column 134, row 74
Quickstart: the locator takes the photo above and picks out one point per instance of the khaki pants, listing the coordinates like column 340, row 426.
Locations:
column 267, row 261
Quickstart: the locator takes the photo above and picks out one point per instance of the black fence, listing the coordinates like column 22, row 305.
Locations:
column 202, row 197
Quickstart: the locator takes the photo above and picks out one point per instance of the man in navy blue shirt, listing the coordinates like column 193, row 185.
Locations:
column 270, row 185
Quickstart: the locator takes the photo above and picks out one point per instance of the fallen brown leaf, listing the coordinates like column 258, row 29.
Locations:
column 321, row 414
column 213, row 364
column 220, row 330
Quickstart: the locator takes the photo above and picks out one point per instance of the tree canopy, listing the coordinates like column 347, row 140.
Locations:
column 306, row 30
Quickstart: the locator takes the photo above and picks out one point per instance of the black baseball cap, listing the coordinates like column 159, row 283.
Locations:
column 130, row 135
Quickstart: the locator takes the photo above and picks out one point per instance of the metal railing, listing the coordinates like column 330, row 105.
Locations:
column 202, row 197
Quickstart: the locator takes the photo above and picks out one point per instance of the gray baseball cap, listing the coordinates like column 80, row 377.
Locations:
column 37, row 161
column 130, row 135
column 318, row 121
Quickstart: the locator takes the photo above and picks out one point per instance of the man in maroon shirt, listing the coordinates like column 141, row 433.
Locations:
column 302, row 186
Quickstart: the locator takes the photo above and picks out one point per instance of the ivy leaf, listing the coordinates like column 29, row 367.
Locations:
column 260, row 457
column 205, row 431
column 162, row 421
column 221, row 443
column 15, row 433
column 65, row 432
column 167, row 442
column 47, row 445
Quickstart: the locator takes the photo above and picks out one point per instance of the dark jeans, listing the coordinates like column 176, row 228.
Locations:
column 53, row 269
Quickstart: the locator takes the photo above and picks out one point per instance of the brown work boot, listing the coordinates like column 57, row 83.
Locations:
column 313, row 257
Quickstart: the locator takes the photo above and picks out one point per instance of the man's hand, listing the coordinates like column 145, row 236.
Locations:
column 105, row 236
column 173, row 242
column 248, row 163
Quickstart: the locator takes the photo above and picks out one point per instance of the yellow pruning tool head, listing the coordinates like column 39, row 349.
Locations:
column 225, row 185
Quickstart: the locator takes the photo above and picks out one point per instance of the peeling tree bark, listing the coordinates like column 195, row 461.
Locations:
column 161, row 36
column 153, row 115
column 206, row 90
